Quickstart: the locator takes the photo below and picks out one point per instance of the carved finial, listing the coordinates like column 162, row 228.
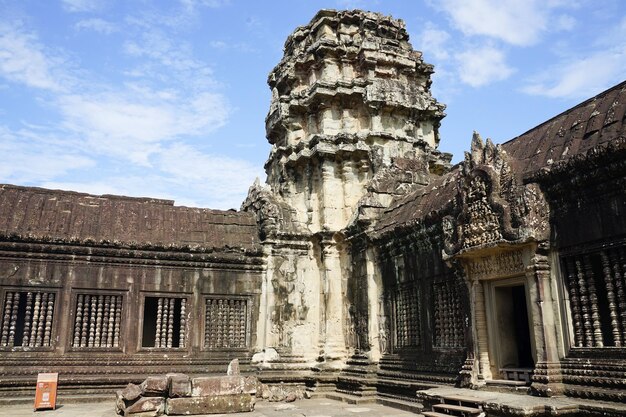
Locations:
column 489, row 151
column 477, row 147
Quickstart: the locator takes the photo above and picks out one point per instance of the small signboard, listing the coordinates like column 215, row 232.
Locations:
column 46, row 393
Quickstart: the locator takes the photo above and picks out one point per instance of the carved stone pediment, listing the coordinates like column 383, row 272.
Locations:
column 273, row 216
column 492, row 207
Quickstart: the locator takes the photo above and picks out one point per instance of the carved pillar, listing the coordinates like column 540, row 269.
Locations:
column 618, row 262
column 480, row 315
column 377, row 333
column 575, row 305
column 27, row 319
column 332, row 197
column 610, row 295
column 183, row 322
column 584, row 304
column 334, row 345
column 546, row 379
column 593, row 300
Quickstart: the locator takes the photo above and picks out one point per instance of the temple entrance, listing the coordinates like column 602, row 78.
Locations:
column 512, row 344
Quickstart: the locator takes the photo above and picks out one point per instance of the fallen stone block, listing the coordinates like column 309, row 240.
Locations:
column 131, row 392
column 155, row 405
column 251, row 385
column 154, row 386
column 233, row 367
column 217, row 385
column 179, row 385
column 213, row 404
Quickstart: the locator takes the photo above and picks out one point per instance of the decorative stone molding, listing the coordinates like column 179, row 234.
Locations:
column 498, row 265
column 492, row 207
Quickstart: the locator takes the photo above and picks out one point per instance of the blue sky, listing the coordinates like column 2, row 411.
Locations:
column 168, row 99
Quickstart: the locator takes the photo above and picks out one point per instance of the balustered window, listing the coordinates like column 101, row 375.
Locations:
column 596, row 283
column 404, row 306
column 27, row 318
column 97, row 321
column 164, row 322
column 226, row 323
column 447, row 316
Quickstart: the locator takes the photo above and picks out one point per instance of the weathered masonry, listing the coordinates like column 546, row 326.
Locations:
column 366, row 264
column 100, row 288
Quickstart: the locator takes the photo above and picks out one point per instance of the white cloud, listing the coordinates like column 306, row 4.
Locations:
column 582, row 77
column 97, row 25
column 181, row 173
column 35, row 157
column 82, row 5
column 133, row 128
column 23, row 60
column 583, row 73
column 222, row 179
column 192, row 4
column 481, row 66
column 435, row 41
column 518, row 22
column 565, row 22
column 156, row 50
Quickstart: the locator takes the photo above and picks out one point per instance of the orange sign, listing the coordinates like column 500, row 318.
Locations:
column 46, row 393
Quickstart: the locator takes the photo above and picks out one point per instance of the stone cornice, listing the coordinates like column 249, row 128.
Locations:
column 66, row 251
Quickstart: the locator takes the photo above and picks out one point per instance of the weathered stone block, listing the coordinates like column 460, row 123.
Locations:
column 250, row 385
column 147, row 404
column 179, row 385
column 131, row 392
column 233, row 367
column 212, row 404
column 154, row 386
column 219, row 385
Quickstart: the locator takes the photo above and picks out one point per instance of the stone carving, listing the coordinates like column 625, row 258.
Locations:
column 105, row 318
column 448, row 329
column 405, row 304
column 178, row 394
column 587, row 315
column 226, row 323
column 504, row 264
column 37, row 316
column 492, row 207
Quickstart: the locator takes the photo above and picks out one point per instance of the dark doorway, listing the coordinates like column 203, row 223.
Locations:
column 515, row 348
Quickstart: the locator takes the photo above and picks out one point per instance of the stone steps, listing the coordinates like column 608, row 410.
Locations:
column 457, row 410
column 457, row 405
column 399, row 404
column 349, row 398
column 434, row 414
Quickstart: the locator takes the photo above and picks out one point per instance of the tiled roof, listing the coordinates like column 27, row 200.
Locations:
column 594, row 122
column 418, row 204
column 65, row 215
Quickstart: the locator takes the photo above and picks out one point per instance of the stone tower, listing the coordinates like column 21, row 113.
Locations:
column 349, row 96
column 352, row 123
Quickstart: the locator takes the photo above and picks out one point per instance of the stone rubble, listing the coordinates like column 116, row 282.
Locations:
column 178, row 394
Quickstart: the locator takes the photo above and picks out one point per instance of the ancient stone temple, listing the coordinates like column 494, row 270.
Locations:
column 366, row 265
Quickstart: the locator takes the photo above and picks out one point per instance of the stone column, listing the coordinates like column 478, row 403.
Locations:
column 332, row 198
column 376, row 330
column 333, row 344
column 480, row 320
column 350, row 189
column 546, row 379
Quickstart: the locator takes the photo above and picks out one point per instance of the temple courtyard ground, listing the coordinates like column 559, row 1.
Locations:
column 305, row 408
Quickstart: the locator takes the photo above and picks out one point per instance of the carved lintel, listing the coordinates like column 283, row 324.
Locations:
column 499, row 265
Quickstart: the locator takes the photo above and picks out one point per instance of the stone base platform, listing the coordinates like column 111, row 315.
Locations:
column 312, row 407
column 499, row 404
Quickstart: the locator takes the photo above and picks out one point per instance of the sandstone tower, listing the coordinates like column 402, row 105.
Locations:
column 352, row 123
